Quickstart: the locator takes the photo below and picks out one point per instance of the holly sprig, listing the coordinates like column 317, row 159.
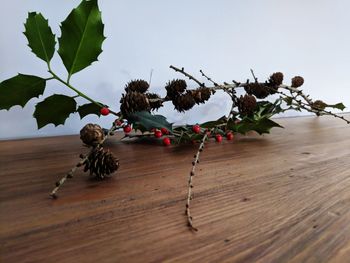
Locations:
column 79, row 46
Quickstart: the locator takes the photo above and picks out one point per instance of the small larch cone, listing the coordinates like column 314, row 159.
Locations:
column 258, row 90
column 201, row 95
column 297, row 81
column 137, row 85
column 246, row 105
column 155, row 101
column 175, row 88
column 184, row 102
column 275, row 80
column 91, row 134
column 318, row 105
column 133, row 102
column 101, row 163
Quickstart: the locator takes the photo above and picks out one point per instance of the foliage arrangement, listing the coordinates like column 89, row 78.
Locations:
column 80, row 45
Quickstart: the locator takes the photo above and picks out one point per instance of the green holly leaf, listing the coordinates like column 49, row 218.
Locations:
column 339, row 106
column 146, row 121
column 54, row 109
column 19, row 90
column 212, row 124
column 82, row 36
column 40, row 37
column 263, row 125
column 89, row 108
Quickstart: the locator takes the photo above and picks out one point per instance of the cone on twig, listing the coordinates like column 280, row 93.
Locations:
column 137, row 85
column 155, row 101
column 297, row 81
column 101, row 163
column 201, row 95
column 133, row 102
column 246, row 105
column 175, row 88
column 257, row 89
column 184, row 102
column 92, row 134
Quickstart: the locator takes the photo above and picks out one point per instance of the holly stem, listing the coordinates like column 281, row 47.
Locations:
column 54, row 76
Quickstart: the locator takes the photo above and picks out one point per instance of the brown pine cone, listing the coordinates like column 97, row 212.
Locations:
column 184, row 102
column 133, row 102
column 246, row 105
column 101, row 163
column 201, row 95
column 137, row 85
column 175, row 88
column 319, row 105
column 91, row 134
column 155, row 105
column 297, row 81
column 258, row 90
column 276, row 79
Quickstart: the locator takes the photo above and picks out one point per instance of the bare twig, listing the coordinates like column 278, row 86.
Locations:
column 208, row 78
column 70, row 174
column 190, row 183
column 182, row 71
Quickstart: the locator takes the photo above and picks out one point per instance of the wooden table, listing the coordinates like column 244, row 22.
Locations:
column 273, row 198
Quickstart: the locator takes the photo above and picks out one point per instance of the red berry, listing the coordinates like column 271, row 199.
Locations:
column 166, row 141
column 229, row 136
column 164, row 131
column 196, row 128
column 158, row 134
column 118, row 123
column 218, row 137
column 127, row 129
column 104, row 111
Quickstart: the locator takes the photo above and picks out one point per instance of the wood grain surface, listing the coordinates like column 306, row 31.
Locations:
column 283, row 197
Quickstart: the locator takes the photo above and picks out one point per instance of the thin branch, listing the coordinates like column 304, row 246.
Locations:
column 255, row 78
column 190, row 183
column 208, row 78
column 182, row 71
column 70, row 174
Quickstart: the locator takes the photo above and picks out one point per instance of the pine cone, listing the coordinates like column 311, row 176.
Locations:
column 184, row 102
column 137, row 85
column 319, row 105
column 258, row 90
column 91, row 134
column 276, row 79
column 175, row 88
column 246, row 105
column 101, row 163
column 155, row 105
column 133, row 102
column 201, row 95
column 297, row 81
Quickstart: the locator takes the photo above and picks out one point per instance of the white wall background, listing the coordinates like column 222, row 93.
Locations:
column 225, row 38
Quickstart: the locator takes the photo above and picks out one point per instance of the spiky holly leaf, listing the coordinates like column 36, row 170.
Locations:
column 82, row 36
column 54, row 109
column 89, row 108
column 40, row 37
column 339, row 106
column 20, row 89
column 146, row 121
column 263, row 125
column 212, row 124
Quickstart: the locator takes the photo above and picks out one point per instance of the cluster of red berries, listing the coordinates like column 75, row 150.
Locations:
column 218, row 137
column 160, row 133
